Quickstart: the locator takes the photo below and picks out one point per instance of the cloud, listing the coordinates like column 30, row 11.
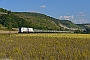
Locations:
column 43, row 6
column 68, row 13
column 81, row 14
column 79, row 21
column 61, row 17
column 66, row 17
column 81, row 17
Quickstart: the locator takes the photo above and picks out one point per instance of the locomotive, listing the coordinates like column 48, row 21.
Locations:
column 25, row 30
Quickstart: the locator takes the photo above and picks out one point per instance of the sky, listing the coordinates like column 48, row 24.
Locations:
column 77, row 11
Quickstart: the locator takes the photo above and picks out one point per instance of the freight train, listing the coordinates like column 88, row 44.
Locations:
column 31, row 30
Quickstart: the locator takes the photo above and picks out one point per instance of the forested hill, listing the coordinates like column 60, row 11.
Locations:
column 46, row 22
column 35, row 20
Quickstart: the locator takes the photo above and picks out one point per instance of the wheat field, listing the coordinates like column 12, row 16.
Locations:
column 45, row 46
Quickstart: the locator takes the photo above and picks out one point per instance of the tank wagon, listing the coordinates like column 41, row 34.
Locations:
column 25, row 30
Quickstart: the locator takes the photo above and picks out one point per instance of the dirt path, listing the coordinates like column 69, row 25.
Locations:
column 1, row 31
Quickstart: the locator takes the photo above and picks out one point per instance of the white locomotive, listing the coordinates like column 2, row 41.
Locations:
column 25, row 30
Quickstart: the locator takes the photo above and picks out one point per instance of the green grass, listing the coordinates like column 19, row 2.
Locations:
column 45, row 46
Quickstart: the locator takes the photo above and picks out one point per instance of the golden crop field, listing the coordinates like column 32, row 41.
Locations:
column 45, row 46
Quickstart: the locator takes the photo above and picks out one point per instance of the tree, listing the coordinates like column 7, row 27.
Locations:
column 88, row 30
column 77, row 31
column 9, row 25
